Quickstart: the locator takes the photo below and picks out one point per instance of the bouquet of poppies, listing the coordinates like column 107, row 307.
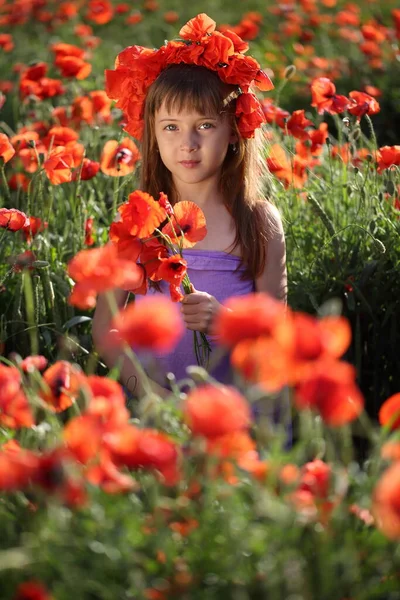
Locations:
column 153, row 234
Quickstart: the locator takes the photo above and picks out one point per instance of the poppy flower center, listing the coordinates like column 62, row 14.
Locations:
column 123, row 155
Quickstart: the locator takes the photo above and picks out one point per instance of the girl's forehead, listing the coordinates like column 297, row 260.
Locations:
column 184, row 112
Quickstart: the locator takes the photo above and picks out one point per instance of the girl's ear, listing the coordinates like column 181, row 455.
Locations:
column 234, row 138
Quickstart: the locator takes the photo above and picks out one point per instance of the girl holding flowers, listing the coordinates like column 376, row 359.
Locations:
column 192, row 106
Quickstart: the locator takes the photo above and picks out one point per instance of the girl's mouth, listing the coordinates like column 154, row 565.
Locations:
column 189, row 164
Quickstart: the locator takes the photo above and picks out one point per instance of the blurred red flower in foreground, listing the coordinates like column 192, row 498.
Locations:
column 62, row 384
column 389, row 413
column 15, row 411
column 213, row 411
column 331, row 390
column 386, row 507
column 152, row 323
column 99, row 270
column 30, row 363
column 247, row 317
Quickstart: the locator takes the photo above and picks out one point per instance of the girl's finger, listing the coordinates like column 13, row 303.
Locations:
column 192, row 298
column 191, row 309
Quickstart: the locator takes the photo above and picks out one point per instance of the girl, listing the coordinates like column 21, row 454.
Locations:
column 193, row 149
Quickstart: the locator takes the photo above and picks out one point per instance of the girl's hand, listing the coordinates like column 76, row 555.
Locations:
column 199, row 310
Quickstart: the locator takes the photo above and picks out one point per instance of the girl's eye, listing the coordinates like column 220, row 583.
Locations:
column 170, row 127
column 207, row 126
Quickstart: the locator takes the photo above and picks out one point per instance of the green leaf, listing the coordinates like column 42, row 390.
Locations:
column 77, row 320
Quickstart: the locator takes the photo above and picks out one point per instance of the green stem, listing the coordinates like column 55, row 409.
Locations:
column 4, row 182
column 30, row 311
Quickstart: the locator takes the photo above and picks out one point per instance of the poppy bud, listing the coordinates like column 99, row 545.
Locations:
column 289, row 72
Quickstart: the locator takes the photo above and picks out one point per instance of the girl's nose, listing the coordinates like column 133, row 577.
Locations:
column 189, row 144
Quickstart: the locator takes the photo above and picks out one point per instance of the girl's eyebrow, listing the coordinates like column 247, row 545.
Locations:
column 199, row 118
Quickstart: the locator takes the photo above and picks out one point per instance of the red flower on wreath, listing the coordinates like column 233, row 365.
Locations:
column 249, row 113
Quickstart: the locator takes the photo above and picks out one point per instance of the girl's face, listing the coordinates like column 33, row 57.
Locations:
column 192, row 146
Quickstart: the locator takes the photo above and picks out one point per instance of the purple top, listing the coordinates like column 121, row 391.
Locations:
column 219, row 274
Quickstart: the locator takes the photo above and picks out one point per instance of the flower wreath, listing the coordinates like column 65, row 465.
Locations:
column 137, row 67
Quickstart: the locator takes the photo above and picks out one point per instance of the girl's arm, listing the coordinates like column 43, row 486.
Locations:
column 273, row 280
column 129, row 376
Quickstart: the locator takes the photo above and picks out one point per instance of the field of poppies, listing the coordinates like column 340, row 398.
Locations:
column 105, row 497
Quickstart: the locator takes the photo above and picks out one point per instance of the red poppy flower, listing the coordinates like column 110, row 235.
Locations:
column 98, row 270
column 60, row 136
column 106, row 475
column 32, row 228
column 6, row 149
column 12, row 219
column 172, row 269
column 389, row 413
column 316, row 478
column 150, row 256
column 314, row 145
column 153, row 324
column 72, row 66
column 119, row 158
column 262, row 360
column 188, row 224
column 274, row 114
column 100, row 11
column 198, row 28
column 62, row 385
column 88, row 170
column 385, row 506
column 63, row 49
column 139, row 216
column 324, row 97
column 58, row 165
column 89, row 239
column 31, row 363
column 291, row 173
column 145, row 449
column 388, row 156
column 6, row 42
column 331, row 390
column 18, row 181
column 15, row 411
column 249, row 114
column 297, row 123
column 17, row 467
column 364, row 105
column 248, row 317
column 212, row 411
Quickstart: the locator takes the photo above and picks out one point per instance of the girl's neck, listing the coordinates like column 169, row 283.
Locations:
column 204, row 194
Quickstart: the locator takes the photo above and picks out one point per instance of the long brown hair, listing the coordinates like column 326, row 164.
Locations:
column 199, row 89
